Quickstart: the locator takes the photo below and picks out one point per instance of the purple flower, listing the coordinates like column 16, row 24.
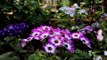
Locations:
column 49, row 48
column 69, row 46
column 30, row 38
column 14, row 29
column 56, row 40
column 86, row 41
column 67, row 34
column 36, row 35
column 76, row 35
column 46, row 28
column 57, row 31
column 44, row 35
column 86, row 29
column 23, row 42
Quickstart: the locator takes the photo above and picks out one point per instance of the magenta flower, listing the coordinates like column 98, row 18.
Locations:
column 76, row 35
column 45, row 28
column 56, row 40
column 67, row 34
column 36, row 35
column 69, row 46
column 30, row 38
column 23, row 42
column 44, row 35
column 57, row 31
column 86, row 41
column 49, row 48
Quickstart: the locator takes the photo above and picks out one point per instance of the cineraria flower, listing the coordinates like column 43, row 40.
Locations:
column 56, row 40
column 30, row 38
column 23, row 42
column 82, row 11
column 86, row 29
column 69, row 46
column 44, row 35
column 67, row 34
column 57, row 31
column 100, row 37
column 76, row 35
column 85, row 41
column 100, row 31
column 14, row 29
column 36, row 35
column 49, row 48
column 46, row 28
column 68, row 10
column 75, row 5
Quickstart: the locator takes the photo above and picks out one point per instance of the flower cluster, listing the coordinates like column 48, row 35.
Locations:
column 73, row 10
column 13, row 29
column 56, row 38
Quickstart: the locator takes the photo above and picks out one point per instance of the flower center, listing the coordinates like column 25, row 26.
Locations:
column 49, row 48
column 76, row 35
column 66, row 45
column 56, row 41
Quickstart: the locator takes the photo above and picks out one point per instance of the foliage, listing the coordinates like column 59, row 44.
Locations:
column 35, row 14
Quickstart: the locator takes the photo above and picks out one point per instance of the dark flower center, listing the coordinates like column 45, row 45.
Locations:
column 66, row 45
column 76, row 35
column 56, row 41
column 49, row 48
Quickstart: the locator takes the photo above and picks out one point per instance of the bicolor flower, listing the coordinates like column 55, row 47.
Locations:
column 56, row 40
column 69, row 46
column 49, row 48
column 23, row 42
column 44, row 35
column 86, row 41
column 76, row 35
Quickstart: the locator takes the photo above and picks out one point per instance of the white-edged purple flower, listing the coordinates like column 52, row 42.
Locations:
column 46, row 28
column 57, row 31
column 76, row 35
column 30, row 38
column 56, row 40
column 67, row 34
column 69, row 46
column 23, row 42
column 86, row 41
column 44, row 35
column 36, row 35
column 49, row 48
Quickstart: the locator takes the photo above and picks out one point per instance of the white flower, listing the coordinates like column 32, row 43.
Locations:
column 105, row 53
column 98, row 58
column 82, row 3
column 82, row 11
column 76, row 5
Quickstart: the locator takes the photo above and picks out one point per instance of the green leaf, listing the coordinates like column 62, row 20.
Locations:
column 8, row 56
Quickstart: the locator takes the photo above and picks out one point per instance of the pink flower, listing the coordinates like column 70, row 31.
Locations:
column 100, row 31
column 99, row 37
